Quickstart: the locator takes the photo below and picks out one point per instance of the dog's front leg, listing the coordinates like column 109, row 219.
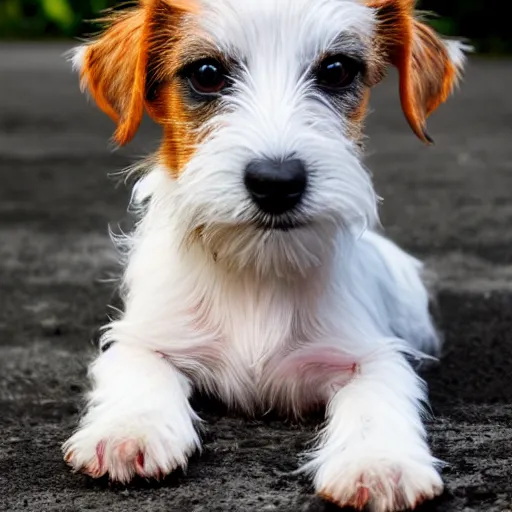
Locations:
column 138, row 419
column 373, row 450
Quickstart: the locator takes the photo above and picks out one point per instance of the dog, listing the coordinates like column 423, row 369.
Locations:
column 256, row 273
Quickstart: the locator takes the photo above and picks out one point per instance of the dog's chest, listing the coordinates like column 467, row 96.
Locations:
column 253, row 329
column 239, row 333
column 263, row 348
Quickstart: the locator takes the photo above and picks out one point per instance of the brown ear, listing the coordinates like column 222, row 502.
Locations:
column 115, row 67
column 112, row 69
column 428, row 66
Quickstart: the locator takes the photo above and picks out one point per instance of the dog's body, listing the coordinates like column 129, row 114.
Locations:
column 266, row 296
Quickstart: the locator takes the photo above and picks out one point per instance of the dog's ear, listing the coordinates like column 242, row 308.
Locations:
column 116, row 68
column 112, row 69
column 428, row 66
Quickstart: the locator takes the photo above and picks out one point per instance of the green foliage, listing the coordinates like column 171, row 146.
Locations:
column 443, row 25
column 59, row 12
column 34, row 19
column 478, row 21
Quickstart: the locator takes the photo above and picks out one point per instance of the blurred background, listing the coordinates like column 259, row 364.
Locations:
column 477, row 20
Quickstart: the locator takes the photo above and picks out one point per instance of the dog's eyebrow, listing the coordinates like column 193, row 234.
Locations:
column 350, row 45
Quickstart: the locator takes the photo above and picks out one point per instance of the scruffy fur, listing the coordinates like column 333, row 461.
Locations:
column 217, row 299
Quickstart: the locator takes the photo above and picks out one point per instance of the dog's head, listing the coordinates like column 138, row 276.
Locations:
column 261, row 104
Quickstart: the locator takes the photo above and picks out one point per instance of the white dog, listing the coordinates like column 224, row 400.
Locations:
column 253, row 274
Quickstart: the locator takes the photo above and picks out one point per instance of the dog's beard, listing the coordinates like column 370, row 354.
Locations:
column 283, row 253
column 242, row 239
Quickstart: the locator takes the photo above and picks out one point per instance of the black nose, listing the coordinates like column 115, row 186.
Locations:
column 276, row 186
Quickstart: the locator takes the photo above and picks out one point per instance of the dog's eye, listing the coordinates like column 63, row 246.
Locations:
column 337, row 72
column 207, row 77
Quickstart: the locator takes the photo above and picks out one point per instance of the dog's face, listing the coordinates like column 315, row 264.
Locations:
column 262, row 104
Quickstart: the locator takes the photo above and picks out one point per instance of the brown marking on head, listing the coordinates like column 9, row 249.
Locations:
column 427, row 74
column 133, row 67
column 182, row 121
column 179, row 137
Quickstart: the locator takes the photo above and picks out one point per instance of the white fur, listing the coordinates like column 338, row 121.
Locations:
column 138, row 406
column 258, row 341
column 77, row 57
column 374, row 440
column 457, row 52
column 327, row 313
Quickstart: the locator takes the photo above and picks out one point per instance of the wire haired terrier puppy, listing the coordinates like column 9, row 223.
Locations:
column 254, row 273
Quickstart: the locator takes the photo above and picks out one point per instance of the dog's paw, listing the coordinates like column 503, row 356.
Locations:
column 380, row 484
column 147, row 447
